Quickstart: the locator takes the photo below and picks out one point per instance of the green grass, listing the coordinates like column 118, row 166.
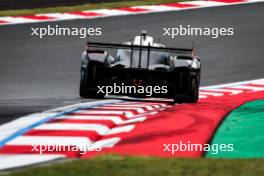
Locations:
column 83, row 7
column 115, row 165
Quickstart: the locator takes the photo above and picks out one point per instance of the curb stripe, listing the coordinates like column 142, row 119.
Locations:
column 182, row 5
column 86, row 14
column 99, row 128
column 92, row 135
column 37, row 17
column 132, row 9
column 89, row 14
column 49, row 117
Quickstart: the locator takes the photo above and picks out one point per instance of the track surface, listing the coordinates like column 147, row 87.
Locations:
column 38, row 74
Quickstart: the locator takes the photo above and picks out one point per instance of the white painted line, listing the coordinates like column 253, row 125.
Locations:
column 121, row 129
column 17, row 20
column 21, row 160
column 99, row 128
column 139, row 110
column 202, row 96
column 228, row 85
column 254, row 1
column 63, row 16
column 205, row 3
column 253, row 88
column 211, row 93
column 105, row 143
column 158, row 8
column 148, row 107
column 233, row 92
column 155, row 105
column 260, row 82
column 134, row 120
column 115, row 119
column 109, row 12
column 127, row 114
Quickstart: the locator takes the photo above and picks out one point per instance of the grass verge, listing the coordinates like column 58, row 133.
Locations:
column 83, row 7
column 123, row 165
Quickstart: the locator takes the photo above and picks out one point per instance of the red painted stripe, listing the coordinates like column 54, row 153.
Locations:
column 256, row 85
column 70, row 152
column 87, row 14
column 37, row 17
column 3, row 22
column 108, row 123
column 230, row 1
column 131, row 9
column 179, row 5
column 92, row 135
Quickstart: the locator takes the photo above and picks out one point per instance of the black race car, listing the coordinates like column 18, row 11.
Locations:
column 138, row 65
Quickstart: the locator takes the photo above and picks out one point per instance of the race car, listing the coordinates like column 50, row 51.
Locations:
column 140, row 64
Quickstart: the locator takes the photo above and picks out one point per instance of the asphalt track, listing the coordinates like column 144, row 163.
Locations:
column 38, row 74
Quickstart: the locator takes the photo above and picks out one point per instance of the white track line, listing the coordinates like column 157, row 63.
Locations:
column 121, row 129
column 229, row 85
column 211, row 93
column 148, row 107
column 115, row 119
column 253, row 88
column 139, row 110
column 127, row 114
column 106, row 143
column 158, row 8
column 99, row 128
column 205, row 3
column 233, row 92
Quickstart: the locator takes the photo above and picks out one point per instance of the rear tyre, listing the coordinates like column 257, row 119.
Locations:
column 193, row 92
column 85, row 91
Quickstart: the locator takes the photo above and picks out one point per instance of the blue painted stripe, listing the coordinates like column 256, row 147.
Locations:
column 28, row 128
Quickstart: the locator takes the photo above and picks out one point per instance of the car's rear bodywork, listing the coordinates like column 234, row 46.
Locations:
column 137, row 65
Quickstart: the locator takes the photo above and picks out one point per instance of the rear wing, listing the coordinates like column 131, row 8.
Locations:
column 184, row 51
